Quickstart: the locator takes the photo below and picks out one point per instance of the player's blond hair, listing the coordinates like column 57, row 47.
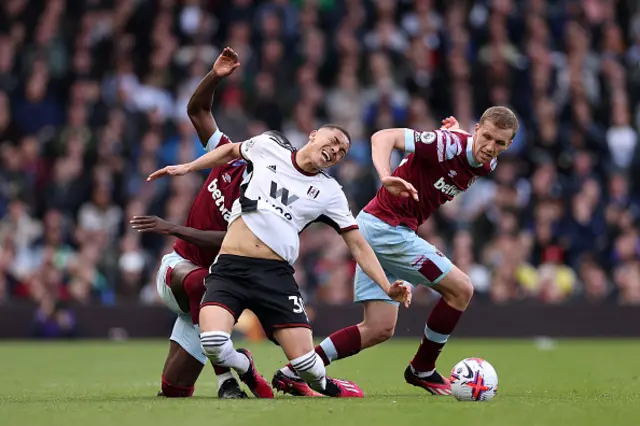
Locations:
column 501, row 117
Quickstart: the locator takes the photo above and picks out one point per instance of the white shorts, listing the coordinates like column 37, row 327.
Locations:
column 187, row 335
column 169, row 262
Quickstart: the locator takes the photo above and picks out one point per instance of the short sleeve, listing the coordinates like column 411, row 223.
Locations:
column 338, row 215
column 252, row 148
column 217, row 139
column 433, row 146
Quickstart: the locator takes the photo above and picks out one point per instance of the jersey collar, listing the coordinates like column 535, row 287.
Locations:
column 472, row 161
column 295, row 165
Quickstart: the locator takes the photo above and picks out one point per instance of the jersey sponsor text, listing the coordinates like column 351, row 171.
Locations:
column 218, row 199
column 448, row 189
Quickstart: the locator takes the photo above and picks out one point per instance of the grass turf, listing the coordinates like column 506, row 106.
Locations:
column 114, row 383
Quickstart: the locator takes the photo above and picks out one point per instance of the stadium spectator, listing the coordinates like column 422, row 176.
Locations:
column 93, row 96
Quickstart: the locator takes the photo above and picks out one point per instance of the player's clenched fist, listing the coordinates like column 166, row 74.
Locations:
column 226, row 63
column 400, row 292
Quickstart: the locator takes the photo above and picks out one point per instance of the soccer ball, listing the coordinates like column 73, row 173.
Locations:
column 474, row 379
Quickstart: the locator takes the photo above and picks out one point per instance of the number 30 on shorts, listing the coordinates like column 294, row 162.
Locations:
column 298, row 304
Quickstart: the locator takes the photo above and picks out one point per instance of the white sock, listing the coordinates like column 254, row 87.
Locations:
column 289, row 372
column 217, row 346
column 421, row 374
column 311, row 369
column 224, row 377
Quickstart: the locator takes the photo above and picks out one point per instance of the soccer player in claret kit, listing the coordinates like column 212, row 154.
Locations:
column 441, row 164
column 180, row 278
column 285, row 191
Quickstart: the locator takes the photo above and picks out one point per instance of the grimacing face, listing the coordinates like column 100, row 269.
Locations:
column 490, row 141
column 328, row 147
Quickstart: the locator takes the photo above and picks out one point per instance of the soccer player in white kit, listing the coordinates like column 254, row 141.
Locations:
column 285, row 190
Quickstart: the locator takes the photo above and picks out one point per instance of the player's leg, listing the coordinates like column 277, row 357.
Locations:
column 180, row 373
column 181, row 368
column 173, row 385
column 280, row 308
column 422, row 263
column 164, row 278
column 378, row 325
column 179, row 284
column 456, row 290
column 190, row 281
column 216, row 324
column 380, row 312
column 223, row 302
column 185, row 362
column 278, row 304
column 297, row 344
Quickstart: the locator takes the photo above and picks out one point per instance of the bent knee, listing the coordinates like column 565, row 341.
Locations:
column 459, row 291
column 377, row 332
column 465, row 289
column 386, row 332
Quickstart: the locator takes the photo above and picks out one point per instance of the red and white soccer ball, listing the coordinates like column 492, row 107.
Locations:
column 474, row 379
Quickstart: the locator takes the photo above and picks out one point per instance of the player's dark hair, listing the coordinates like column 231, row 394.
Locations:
column 338, row 128
column 501, row 117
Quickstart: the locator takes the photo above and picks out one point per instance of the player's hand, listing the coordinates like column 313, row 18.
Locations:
column 179, row 170
column 400, row 187
column 151, row 224
column 451, row 123
column 400, row 292
column 226, row 63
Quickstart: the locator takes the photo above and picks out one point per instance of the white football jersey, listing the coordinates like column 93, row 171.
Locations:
column 278, row 199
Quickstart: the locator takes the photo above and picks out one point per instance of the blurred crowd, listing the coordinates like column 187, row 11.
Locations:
column 93, row 98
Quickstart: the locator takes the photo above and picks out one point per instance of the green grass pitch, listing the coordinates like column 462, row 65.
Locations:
column 586, row 382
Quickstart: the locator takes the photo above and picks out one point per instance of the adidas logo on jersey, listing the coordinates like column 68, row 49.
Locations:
column 447, row 189
column 272, row 168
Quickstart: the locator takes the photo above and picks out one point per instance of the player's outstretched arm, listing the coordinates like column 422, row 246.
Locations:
column 156, row 225
column 199, row 106
column 366, row 258
column 219, row 156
